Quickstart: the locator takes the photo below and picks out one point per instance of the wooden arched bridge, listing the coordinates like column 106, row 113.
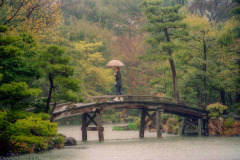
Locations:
column 194, row 115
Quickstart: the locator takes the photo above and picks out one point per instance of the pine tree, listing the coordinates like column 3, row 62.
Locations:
column 59, row 74
column 164, row 25
column 17, row 69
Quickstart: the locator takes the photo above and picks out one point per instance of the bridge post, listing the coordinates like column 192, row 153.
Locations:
column 159, row 122
column 200, row 127
column 84, row 127
column 99, row 126
column 142, row 124
column 183, row 126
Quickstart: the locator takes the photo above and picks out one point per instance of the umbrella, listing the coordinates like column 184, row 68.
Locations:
column 115, row 63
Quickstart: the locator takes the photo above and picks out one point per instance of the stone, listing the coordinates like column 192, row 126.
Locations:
column 70, row 141
column 215, row 126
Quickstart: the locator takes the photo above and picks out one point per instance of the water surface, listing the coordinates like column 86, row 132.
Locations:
column 125, row 145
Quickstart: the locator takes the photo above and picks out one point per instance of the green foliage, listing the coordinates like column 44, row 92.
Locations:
column 228, row 122
column 17, row 69
column 59, row 141
column 234, row 108
column 133, row 126
column 39, row 104
column 3, row 28
column 118, row 128
column 17, row 92
column 96, row 78
column 216, row 109
column 173, row 125
column 114, row 117
column 26, row 131
column 164, row 118
column 60, row 75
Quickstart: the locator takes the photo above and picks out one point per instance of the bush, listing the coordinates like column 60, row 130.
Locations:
column 235, row 109
column 59, row 141
column 164, row 118
column 118, row 128
column 228, row 122
column 133, row 126
column 216, row 109
column 26, row 132
column 173, row 125
column 39, row 105
column 113, row 117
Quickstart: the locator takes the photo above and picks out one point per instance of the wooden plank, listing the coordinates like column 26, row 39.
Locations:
column 183, row 126
column 94, row 128
column 99, row 125
column 199, row 127
column 91, row 119
column 142, row 124
column 84, row 130
column 159, row 124
column 151, row 117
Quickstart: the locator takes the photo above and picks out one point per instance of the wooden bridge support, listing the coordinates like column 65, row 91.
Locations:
column 155, row 118
column 84, row 127
column 200, row 127
column 142, row 124
column 99, row 126
column 159, row 123
column 192, row 127
column 87, row 120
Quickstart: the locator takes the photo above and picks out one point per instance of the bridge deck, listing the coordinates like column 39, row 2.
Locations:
column 150, row 103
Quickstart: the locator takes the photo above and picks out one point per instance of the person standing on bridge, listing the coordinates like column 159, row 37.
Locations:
column 118, row 83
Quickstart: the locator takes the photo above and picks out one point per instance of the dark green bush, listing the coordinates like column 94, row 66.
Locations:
column 26, row 132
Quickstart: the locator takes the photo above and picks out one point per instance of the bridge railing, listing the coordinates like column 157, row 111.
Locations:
column 99, row 99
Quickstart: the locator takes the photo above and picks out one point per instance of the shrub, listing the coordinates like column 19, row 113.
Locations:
column 234, row 129
column 216, row 109
column 228, row 122
column 59, row 141
column 133, row 126
column 164, row 118
column 173, row 125
column 26, row 132
column 118, row 128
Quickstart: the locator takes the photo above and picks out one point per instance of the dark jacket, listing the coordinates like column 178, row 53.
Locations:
column 118, row 80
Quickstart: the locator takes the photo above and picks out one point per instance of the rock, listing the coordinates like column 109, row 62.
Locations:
column 215, row 126
column 70, row 141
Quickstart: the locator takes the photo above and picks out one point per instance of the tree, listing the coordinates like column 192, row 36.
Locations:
column 229, row 40
column 136, row 72
column 214, row 10
column 205, row 67
column 90, row 67
column 37, row 16
column 164, row 25
column 17, row 69
column 62, row 84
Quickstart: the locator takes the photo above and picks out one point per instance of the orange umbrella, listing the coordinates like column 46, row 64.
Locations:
column 115, row 63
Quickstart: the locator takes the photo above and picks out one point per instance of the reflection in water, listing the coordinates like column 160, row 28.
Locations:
column 125, row 145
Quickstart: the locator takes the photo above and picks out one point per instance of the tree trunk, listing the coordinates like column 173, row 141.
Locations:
column 50, row 78
column 230, row 99
column 174, row 74
column 205, row 70
column 222, row 95
column 54, row 106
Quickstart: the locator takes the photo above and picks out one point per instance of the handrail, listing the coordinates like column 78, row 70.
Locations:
column 145, row 96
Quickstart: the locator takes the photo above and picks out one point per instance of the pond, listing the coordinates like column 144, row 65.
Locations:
column 125, row 145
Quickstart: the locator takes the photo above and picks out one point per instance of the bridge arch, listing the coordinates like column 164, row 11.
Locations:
column 97, row 105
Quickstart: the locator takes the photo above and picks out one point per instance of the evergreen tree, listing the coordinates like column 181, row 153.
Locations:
column 63, row 86
column 17, row 69
column 164, row 25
